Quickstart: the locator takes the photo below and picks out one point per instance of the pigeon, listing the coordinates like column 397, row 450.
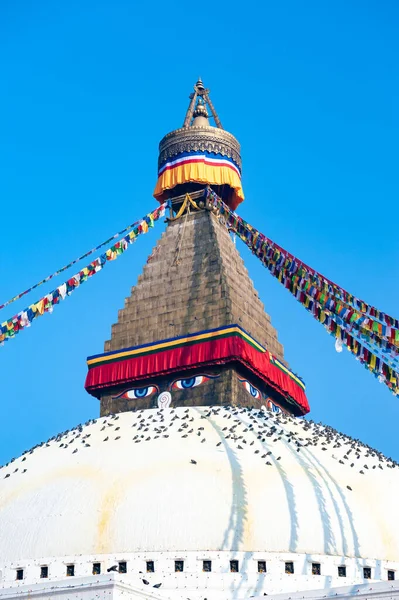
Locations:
column 157, row 585
column 113, row 568
column 349, row 487
column 193, row 462
column 146, row 582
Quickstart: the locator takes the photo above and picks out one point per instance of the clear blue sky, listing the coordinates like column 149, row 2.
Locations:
column 88, row 89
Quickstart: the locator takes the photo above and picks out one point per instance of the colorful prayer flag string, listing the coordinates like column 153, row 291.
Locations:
column 23, row 319
column 371, row 335
column 68, row 266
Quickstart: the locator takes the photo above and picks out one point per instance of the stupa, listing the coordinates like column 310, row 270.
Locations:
column 200, row 479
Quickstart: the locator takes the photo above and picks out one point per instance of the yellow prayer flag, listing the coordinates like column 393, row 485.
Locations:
column 40, row 306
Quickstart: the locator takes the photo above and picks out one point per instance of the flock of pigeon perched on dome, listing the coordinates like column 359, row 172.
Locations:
column 248, row 430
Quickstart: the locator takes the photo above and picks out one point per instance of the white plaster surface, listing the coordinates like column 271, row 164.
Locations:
column 122, row 497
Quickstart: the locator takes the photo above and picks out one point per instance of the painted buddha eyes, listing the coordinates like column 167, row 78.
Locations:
column 138, row 393
column 255, row 393
column 273, row 407
column 190, row 382
column 149, row 390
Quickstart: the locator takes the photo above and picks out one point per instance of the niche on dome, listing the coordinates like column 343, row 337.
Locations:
column 391, row 575
column 150, row 567
column 207, row 566
column 261, row 566
column 43, row 572
column 234, row 566
column 179, row 566
column 342, row 571
column 316, row 568
column 367, row 572
column 122, row 567
column 70, row 570
column 289, row 568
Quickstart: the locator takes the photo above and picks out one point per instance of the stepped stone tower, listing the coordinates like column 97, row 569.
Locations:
column 194, row 282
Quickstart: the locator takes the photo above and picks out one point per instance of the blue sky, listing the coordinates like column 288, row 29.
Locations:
column 88, row 89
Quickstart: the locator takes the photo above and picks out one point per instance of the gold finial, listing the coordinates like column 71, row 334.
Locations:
column 200, row 110
column 199, row 85
column 200, row 115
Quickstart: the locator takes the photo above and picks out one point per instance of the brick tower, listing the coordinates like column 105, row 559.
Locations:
column 194, row 288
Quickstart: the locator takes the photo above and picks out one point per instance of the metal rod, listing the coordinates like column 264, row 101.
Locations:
column 190, row 110
column 214, row 113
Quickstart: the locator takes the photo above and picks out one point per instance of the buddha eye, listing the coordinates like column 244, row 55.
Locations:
column 190, row 382
column 137, row 393
column 273, row 407
column 255, row 393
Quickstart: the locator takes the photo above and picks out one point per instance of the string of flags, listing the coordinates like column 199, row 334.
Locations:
column 23, row 319
column 68, row 266
column 368, row 333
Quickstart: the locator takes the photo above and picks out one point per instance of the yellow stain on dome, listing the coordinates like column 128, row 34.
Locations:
column 78, row 471
column 109, row 502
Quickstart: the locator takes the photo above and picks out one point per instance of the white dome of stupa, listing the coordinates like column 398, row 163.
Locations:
column 195, row 484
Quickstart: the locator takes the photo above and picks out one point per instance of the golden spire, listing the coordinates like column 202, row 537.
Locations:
column 200, row 94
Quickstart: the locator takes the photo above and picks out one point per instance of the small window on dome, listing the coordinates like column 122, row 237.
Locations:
column 391, row 575
column 367, row 572
column 342, row 571
column 70, row 570
column 207, row 566
column 122, row 567
column 234, row 566
column 179, row 566
column 289, row 568
column 261, row 566
column 316, row 569
column 19, row 574
column 43, row 572
column 96, row 569
column 150, row 566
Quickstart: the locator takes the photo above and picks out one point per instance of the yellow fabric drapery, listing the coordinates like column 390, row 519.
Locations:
column 200, row 172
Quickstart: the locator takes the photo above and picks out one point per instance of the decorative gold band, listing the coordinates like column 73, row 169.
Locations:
column 194, row 139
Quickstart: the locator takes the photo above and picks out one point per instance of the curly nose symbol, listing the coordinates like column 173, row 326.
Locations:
column 164, row 400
